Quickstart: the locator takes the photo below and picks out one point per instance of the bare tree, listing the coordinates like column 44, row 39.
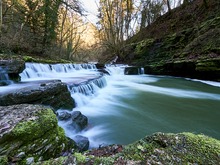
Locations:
column 115, row 23
column 0, row 17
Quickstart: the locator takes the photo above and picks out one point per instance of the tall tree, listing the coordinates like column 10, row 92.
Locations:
column 69, row 29
column 0, row 17
column 151, row 10
column 115, row 18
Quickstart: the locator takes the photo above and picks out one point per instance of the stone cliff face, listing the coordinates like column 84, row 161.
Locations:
column 183, row 43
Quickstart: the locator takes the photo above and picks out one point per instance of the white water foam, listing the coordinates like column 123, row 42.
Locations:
column 64, row 72
column 96, row 100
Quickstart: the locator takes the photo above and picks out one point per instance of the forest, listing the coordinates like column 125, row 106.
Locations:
column 55, row 28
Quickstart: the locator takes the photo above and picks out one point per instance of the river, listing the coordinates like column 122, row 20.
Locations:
column 129, row 107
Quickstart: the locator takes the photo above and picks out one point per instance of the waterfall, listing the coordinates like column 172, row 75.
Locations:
column 141, row 70
column 53, row 71
column 3, row 74
column 4, row 78
column 117, row 69
column 90, row 87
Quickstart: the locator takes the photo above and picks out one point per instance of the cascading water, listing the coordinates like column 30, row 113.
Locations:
column 124, row 108
column 35, row 71
column 132, row 106
column 4, row 78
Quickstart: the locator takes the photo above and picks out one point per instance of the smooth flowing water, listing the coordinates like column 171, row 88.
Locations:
column 124, row 108
column 131, row 107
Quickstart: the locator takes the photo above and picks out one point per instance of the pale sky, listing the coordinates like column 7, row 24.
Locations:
column 91, row 8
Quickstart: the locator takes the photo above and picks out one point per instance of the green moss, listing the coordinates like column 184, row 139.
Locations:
column 80, row 158
column 43, row 60
column 40, row 138
column 209, row 24
column 183, row 148
column 57, row 161
column 203, row 147
column 142, row 46
column 3, row 160
column 104, row 161
column 28, row 59
column 32, row 129
column 208, row 65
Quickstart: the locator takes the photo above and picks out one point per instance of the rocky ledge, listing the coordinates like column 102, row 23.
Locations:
column 159, row 148
column 30, row 133
column 52, row 93
column 13, row 67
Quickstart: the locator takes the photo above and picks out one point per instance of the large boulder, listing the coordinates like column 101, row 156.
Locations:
column 13, row 67
column 53, row 93
column 30, row 133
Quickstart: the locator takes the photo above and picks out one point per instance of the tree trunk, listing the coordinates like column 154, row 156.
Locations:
column 168, row 5
column 185, row 1
column 0, row 17
column 205, row 3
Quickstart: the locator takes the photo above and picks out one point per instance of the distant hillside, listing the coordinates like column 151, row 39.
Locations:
column 184, row 42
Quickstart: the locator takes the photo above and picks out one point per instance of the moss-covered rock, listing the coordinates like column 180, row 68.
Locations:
column 159, row 148
column 30, row 133
column 184, row 148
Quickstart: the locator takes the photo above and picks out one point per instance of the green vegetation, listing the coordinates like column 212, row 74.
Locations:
column 159, row 148
column 36, row 59
column 3, row 160
column 187, row 46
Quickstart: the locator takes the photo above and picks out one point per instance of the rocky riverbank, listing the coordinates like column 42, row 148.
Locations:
column 30, row 133
column 159, row 148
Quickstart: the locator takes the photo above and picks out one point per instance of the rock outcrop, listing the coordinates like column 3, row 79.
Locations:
column 53, row 93
column 13, row 67
column 30, row 133
column 186, row 47
column 133, row 70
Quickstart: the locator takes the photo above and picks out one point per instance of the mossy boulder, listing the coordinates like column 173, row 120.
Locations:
column 30, row 133
column 159, row 148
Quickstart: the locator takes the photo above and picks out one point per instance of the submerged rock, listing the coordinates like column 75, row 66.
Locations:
column 30, row 133
column 82, row 142
column 53, row 93
column 79, row 119
column 63, row 115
